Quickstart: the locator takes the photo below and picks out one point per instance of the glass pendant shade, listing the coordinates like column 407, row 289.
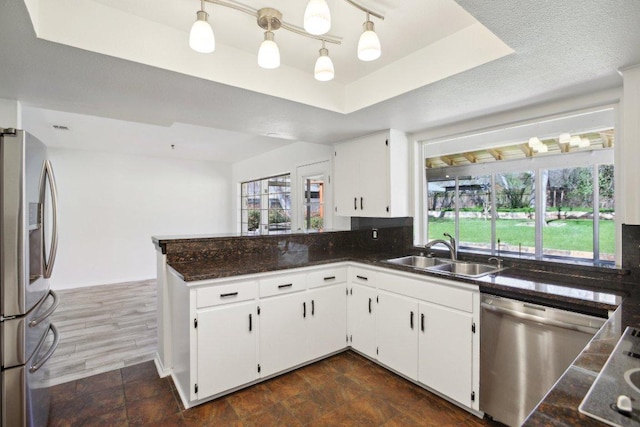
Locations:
column 369, row 44
column 269, row 54
column 317, row 17
column 324, row 67
column 201, row 38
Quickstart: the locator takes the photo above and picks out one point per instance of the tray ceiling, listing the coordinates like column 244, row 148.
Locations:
column 422, row 42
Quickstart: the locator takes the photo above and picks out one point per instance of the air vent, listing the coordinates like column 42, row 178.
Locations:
column 60, row 127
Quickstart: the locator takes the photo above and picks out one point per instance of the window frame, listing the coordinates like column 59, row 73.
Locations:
column 536, row 164
column 265, row 200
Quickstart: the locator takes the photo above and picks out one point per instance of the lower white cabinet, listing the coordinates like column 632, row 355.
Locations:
column 362, row 310
column 398, row 333
column 425, row 329
column 226, row 349
column 283, row 331
column 301, row 326
column 327, row 321
column 228, row 333
column 446, row 351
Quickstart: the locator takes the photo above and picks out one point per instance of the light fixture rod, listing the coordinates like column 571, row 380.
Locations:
column 253, row 12
column 297, row 30
column 364, row 9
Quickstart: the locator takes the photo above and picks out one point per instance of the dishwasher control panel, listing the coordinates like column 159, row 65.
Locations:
column 614, row 397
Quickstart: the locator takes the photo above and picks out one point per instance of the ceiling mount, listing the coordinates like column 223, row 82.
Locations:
column 269, row 19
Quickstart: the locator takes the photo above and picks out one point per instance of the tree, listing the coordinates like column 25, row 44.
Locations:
column 515, row 186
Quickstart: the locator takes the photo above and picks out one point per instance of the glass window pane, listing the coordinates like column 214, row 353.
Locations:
column 441, row 208
column 515, row 209
column 313, row 203
column 607, row 213
column 568, row 225
column 474, row 198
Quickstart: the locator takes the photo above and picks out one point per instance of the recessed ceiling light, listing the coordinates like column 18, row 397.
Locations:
column 60, row 127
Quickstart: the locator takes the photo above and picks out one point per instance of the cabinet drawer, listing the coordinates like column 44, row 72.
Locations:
column 282, row 284
column 363, row 276
column 225, row 294
column 329, row 276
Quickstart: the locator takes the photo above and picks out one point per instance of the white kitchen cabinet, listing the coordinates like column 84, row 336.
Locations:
column 326, row 320
column 371, row 176
column 301, row 324
column 283, row 332
column 397, row 333
column 362, row 312
column 446, row 351
column 226, row 347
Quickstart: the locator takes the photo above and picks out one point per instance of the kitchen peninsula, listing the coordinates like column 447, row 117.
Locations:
column 600, row 291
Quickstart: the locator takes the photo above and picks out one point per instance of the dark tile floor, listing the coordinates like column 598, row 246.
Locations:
column 343, row 390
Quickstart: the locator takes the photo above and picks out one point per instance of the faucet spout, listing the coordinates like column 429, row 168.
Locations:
column 452, row 251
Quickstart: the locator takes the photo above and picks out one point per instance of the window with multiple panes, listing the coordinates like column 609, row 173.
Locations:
column 555, row 202
column 265, row 205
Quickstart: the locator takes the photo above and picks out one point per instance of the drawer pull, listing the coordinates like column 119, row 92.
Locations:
column 288, row 285
column 330, row 278
column 230, row 294
column 362, row 278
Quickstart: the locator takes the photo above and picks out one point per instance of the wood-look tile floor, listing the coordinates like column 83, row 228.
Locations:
column 343, row 390
column 103, row 328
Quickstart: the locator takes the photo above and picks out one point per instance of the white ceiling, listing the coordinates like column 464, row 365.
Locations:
column 562, row 49
column 415, row 36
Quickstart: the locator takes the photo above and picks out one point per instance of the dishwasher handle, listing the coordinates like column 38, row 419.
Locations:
column 538, row 319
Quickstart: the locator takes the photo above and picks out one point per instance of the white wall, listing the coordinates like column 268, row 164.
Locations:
column 280, row 161
column 110, row 205
column 10, row 116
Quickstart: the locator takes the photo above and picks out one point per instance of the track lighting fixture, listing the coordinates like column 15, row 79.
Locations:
column 317, row 17
column 317, row 23
column 269, row 54
column 323, row 70
column 369, row 43
column 201, row 38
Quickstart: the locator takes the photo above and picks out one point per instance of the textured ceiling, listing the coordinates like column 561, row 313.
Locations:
column 562, row 49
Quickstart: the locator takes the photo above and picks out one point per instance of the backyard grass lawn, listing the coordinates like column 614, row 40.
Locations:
column 572, row 234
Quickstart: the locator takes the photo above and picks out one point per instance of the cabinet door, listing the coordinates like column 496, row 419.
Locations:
column 398, row 333
column 227, row 338
column 282, row 332
column 361, row 311
column 327, row 321
column 373, row 199
column 446, row 351
column 346, row 182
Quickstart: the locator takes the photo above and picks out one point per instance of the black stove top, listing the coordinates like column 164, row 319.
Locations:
column 619, row 377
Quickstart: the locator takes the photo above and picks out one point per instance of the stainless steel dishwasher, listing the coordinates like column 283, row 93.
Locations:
column 524, row 349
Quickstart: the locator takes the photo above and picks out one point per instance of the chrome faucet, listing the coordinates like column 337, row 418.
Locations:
column 452, row 240
column 497, row 260
column 449, row 246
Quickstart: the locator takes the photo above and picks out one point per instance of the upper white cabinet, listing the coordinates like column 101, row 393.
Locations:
column 371, row 176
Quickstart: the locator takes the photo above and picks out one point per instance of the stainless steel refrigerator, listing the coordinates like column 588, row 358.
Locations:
column 28, row 245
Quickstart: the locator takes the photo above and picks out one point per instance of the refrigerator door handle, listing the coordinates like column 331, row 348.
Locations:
column 56, row 340
column 56, row 301
column 48, row 177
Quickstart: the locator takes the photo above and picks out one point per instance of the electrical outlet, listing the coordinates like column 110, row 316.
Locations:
column 374, row 233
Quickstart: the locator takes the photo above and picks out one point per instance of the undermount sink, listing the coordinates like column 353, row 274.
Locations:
column 467, row 269
column 418, row 261
column 446, row 266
